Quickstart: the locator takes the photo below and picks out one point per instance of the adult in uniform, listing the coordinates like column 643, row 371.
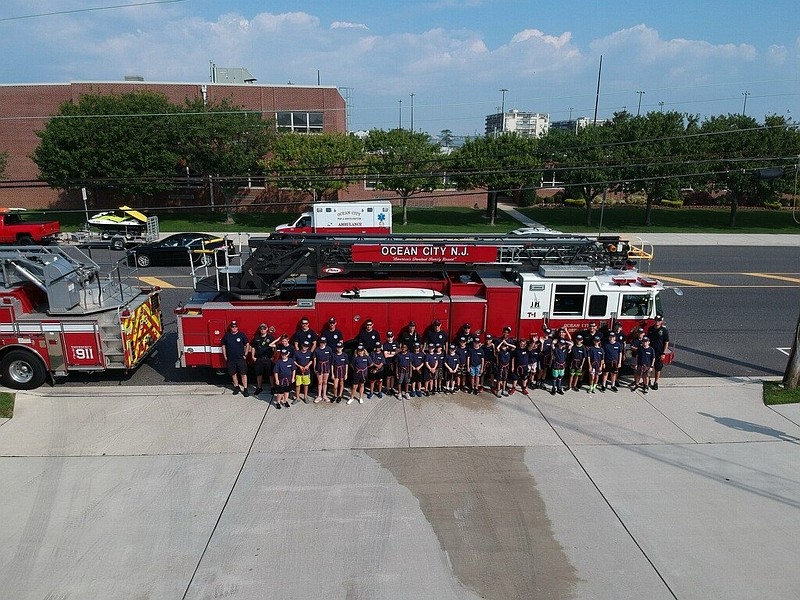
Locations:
column 410, row 336
column 435, row 335
column 368, row 337
column 261, row 351
column 659, row 342
column 332, row 334
column 235, row 348
column 304, row 334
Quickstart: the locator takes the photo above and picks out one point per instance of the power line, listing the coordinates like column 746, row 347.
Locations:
column 84, row 10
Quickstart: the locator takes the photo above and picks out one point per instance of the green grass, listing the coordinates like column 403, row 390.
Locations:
column 6, row 405
column 774, row 393
column 665, row 220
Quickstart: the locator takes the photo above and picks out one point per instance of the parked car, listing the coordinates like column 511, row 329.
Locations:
column 536, row 231
column 179, row 249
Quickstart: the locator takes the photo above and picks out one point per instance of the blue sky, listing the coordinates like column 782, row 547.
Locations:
column 454, row 55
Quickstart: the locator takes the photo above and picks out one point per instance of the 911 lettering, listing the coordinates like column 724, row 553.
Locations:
column 82, row 352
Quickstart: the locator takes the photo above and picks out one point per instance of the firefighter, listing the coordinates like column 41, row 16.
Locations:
column 368, row 336
column 302, row 380
column 390, row 352
column 304, row 333
column 614, row 352
column 332, row 334
column 322, row 369
column 403, row 367
column 284, row 375
column 377, row 364
column 645, row 360
column 235, row 348
column 439, row 377
column 410, row 336
column 659, row 341
column 596, row 360
column 360, row 365
column 435, row 335
column 261, row 351
column 577, row 358
column 340, row 363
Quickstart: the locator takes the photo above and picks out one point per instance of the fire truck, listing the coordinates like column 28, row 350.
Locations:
column 59, row 314
column 527, row 283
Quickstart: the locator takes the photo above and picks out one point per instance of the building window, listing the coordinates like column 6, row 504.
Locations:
column 299, row 122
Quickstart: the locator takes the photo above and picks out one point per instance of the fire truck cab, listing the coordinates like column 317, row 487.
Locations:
column 59, row 314
column 490, row 282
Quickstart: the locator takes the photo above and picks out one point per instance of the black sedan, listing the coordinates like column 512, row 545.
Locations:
column 179, row 249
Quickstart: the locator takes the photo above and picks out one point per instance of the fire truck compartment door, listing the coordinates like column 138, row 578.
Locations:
column 82, row 345
column 55, row 350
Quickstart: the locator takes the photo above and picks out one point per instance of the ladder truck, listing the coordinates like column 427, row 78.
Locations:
column 59, row 314
column 490, row 282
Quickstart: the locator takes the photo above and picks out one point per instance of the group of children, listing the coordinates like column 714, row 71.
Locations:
column 416, row 365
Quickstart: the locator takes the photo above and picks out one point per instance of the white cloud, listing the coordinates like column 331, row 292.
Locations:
column 348, row 25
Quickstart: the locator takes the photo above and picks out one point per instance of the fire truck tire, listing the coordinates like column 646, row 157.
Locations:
column 22, row 370
column 117, row 243
column 143, row 260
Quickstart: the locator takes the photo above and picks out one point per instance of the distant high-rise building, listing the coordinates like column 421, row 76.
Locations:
column 529, row 124
column 571, row 124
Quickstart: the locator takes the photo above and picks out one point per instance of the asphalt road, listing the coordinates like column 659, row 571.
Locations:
column 737, row 315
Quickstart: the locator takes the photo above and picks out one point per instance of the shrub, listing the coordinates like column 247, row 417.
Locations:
column 577, row 202
column 528, row 198
column 773, row 205
column 699, row 198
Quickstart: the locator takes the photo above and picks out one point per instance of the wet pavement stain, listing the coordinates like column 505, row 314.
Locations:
column 489, row 518
column 478, row 403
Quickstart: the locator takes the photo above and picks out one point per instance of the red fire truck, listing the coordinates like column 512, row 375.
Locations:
column 490, row 282
column 59, row 314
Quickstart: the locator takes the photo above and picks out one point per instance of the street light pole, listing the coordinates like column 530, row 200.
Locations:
column 400, row 114
column 412, row 112
column 639, row 108
column 661, row 106
column 744, row 105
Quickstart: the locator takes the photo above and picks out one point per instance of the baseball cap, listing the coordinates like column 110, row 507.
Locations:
column 467, row 326
column 489, row 336
column 284, row 351
column 596, row 338
column 331, row 320
column 640, row 330
column 548, row 331
column 234, row 324
column 452, row 349
column 438, row 346
column 389, row 333
column 339, row 344
column 323, row 340
column 412, row 324
column 562, row 342
column 506, row 328
column 476, row 341
column 378, row 347
column 262, row 326
column 368, row 322
column 659, row 318
column 304, row 343
column 437, row 322
column 612, row 333
column 579, row 337
column 645, row 339
column 462, row 339
column 360, row 347
column 417, row 344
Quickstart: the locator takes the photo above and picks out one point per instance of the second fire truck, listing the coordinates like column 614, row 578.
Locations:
column 490, row 282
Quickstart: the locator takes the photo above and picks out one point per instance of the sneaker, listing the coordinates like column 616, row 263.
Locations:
column 553, row 392
column 361, row 400
column 235, row 391
column 602, row 389
column 349, row 401
column 614, row 388
column 278, row 406
column 561, row 391
column 524, row 391
column 379, row 394
column 338, row 399
column 475, row 392
column 655, row 385
column 257, row 391
column 498, row 395
column 644, row 389
column 633, row 387
column 369, row 395
column 505, row 392
column 245, row 393
column 294, row 401
column 317, row 400
column 419, row 394
column 285, row 405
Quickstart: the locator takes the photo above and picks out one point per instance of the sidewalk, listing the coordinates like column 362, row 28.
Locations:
column 188, row 491
column 682, row 239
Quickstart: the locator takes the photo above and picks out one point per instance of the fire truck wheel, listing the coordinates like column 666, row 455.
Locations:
column 22, row 370
column 118, row 244
column 143, row 260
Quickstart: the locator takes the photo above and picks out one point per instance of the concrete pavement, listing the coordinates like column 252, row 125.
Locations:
column 190, row 492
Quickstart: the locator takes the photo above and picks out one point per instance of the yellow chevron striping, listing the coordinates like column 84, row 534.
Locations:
column 770, row 276
column 688, row 282
column 156, row 281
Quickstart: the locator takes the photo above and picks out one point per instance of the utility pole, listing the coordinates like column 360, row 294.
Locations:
column 412, row 112
column 400, row 115
column 639, row 108
column 744, row 105
column 597, row 95
column 661, row 106
column 503, row 109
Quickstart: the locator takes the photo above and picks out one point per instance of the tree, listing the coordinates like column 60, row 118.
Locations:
column 504, row 163
column 791, row 378
column 585, row 159
column 223, row 141
column 654, row 149
column 125, row 143
column 446, row 137
column 318, row 163
column 403, row 162
column 3, row 164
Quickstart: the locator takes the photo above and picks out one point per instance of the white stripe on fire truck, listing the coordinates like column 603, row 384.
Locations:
column 200, row 349
column 48, row 327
